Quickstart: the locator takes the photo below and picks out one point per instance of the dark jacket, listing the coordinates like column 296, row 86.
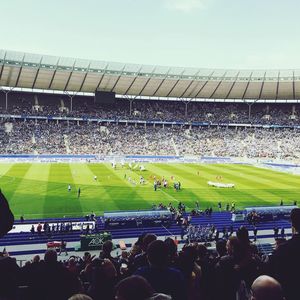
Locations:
column 285, row 267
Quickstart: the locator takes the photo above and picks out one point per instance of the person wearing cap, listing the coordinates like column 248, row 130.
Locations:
column 285, row 263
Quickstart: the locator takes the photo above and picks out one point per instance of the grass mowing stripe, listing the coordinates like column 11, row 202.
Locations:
column 220, row 194
column 112, row 191
column 189, row 193
column 241, row 190
column 274, row 188
column 127, row 193
column 30, row 187
column 12, row 189
column 58, row 198
column 288, row 181
column 99, row 189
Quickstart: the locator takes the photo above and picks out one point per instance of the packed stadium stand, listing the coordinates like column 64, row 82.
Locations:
column 157, row 127
column 158, row 111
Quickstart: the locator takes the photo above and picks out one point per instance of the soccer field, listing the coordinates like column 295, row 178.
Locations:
column 40, row 190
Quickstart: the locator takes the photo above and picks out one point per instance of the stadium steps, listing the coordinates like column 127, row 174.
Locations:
column 175, row 147
column 218, row 219
column 265, row 248
column 67, row 144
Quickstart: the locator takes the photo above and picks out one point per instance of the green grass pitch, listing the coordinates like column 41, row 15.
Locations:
column 40, row 190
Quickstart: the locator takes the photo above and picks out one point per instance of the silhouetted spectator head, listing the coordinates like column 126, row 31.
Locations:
column 265, row 288
column 86, row 256
column 243, row 235
column 221, row 247
column 7, row 218
column 147, row 240
column 234, row 247
column 202, row 251
column 133, row 288
column 295, row 217
column 50, row 256
column 157, row 253
column 172, row 247
column 107, row 247
column 80, row 297
column 36, row 259
column 187, row 259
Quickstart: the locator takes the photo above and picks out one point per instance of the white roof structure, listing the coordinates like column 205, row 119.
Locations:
column 34, row 71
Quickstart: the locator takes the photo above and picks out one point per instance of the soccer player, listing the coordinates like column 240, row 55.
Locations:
column 78, row 193
column 220, row 206
column 69, row 187
column 95, row 178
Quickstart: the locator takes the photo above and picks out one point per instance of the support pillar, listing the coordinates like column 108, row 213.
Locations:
column 249, row 110
column 6, row 100
column 186, row 108
column 71, row 96
column 130, row 106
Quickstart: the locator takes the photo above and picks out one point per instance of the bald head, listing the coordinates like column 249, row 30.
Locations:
column 266, row 288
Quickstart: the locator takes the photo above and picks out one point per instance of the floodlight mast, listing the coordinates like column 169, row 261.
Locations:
column 6, row 92
column 186, row 102
column 71, row 95
column 130, row 98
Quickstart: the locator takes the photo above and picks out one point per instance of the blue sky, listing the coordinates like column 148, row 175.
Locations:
column 194, row 33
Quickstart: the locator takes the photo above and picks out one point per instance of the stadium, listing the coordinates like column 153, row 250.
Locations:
column 169, row 181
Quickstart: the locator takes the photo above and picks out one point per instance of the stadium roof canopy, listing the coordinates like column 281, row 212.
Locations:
column 44, row 72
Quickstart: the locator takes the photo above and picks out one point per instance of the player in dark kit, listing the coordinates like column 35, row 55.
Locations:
column 78, row 193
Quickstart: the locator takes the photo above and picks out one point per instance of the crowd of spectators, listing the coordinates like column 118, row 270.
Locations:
column 60, row 105
column 41, row 137
column 157, row 269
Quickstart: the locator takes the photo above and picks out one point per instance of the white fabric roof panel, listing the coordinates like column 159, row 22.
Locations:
column 123, row 84
column 253, row 90
column 179, row 88
column 238, row 90
column 27, row 77
column 297, row 89
column 75, row 81
column 137, row 85
column 60, row 80
column 193, row 89
column 269, row 90
column 4, row 75
column 43, row 79
column 165, row 88
column 223, row 90
column 13, row 75
column 91, row 82
column 27, row 70
column 151, row 86
column 107, row 83
column 285, row 90
column 208, row 89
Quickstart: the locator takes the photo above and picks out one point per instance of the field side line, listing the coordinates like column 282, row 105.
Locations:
column 69, row 213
